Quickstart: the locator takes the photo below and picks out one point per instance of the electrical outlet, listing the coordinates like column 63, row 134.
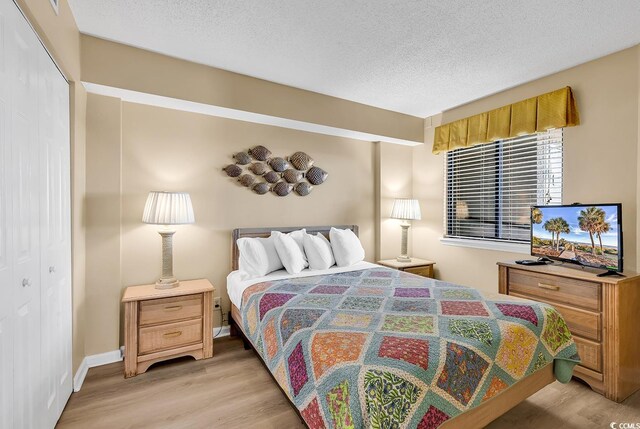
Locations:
column 216, row 302
column 224, row 318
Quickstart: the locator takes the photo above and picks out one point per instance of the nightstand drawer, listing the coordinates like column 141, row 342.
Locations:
column 562, row 290
column 165, row 310
column 421, row 271
column 162, row 337
column 417, row 266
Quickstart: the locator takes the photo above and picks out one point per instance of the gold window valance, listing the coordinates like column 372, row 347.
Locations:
column 554, row 109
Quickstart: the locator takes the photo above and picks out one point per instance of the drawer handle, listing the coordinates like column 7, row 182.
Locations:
column 172, row 334
column 173, row 307
column 550, row 287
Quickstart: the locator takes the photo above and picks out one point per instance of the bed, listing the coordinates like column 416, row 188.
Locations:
column 368, row 346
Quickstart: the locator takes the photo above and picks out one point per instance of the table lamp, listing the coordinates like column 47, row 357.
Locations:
column 168, row 208
column 405, row 209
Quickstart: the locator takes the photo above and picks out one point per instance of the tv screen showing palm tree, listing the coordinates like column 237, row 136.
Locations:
column 590, row 235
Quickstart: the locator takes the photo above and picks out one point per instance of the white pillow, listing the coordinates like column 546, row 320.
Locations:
column 347, row 249
column 290, row 254
column 318, row 250
column 258, row 256
column 298, row 236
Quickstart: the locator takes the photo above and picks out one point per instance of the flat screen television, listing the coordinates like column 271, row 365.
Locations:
column 585, row 234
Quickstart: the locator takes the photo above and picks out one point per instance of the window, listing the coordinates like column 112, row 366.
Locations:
column 490, row 188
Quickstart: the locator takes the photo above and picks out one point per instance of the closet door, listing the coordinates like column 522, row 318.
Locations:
column 6, row 256
column 55, row 240
column 22, row 47
column 35, row 237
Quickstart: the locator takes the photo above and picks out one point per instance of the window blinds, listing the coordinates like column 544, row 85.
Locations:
column 490, row 188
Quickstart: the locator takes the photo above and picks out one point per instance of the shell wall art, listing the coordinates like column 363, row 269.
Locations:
column 278, row 164
column 292, row 176
column 261, row 172
column 271, row 177
column 246, row 180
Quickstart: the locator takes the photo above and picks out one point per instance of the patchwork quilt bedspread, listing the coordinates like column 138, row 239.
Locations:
column 380, row 348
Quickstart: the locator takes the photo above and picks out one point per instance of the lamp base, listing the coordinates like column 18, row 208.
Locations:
column 403, row 249
column 169, row 283
column 167, row 280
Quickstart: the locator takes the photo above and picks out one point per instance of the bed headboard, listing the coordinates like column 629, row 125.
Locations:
column 266, row 232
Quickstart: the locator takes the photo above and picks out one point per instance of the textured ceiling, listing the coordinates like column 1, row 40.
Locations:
column 418, row 57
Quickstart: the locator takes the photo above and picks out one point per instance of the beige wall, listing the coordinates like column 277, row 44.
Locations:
column 103, row 238
column 120, row 66
column 164, row 149
column 394, row 179
column 78, row 190
column 600, row 162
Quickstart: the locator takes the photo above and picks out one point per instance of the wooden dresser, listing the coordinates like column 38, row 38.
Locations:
column 421, row 267
column 161, row 324
column 601, row 312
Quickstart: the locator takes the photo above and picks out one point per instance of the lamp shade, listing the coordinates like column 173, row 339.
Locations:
column 406, row 209
column 168, row 208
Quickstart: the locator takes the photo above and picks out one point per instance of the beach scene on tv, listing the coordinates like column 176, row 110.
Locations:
column 585, row 234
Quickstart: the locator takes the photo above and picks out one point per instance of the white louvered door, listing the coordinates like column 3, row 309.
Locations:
column 35, row 249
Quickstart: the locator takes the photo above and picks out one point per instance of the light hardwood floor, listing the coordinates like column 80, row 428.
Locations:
column 233, row 390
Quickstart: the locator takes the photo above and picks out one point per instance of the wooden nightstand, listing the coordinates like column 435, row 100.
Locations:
column 421, row 267
column 161, row 324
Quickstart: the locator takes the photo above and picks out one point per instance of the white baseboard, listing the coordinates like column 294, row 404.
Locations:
column 104, row 358
column 81, row 373
column 116, row 356
column 92, row 361
column 224, row 332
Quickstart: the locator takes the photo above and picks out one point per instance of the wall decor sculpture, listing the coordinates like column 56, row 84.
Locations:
column 280, row 175
column 278, row 164
column 292, row 176
column 258, row 168
column 271, row 177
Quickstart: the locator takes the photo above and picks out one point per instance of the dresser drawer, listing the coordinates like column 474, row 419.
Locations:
column 421, row 271
column 580, row 322
column 168, row 336
column 590, row 353
column 556, row 289
column 170, row 309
